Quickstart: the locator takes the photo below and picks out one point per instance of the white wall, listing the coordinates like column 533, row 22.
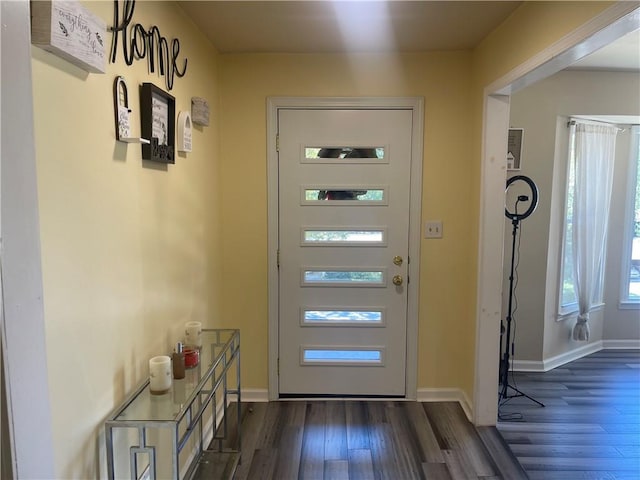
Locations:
column 541, row 110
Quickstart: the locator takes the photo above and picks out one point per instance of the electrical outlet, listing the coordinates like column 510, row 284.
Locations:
column 433, row 229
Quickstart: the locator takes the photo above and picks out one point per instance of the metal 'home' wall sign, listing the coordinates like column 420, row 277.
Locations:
column 139, row 43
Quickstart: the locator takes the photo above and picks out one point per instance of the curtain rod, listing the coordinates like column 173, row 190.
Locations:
column 599, row 122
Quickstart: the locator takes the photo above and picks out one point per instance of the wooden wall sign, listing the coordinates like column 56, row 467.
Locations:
column 70, row 31
column 200, row 111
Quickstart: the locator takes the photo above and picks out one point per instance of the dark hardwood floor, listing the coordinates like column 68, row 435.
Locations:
column 590, row 426
column 372, row 440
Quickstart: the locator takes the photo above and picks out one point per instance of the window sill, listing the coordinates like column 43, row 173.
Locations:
column 629, row 305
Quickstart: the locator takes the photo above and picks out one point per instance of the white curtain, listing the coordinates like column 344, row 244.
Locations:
column 594, row 159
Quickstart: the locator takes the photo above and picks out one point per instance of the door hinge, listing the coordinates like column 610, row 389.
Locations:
column 277, row 142
column 278, row 259
column 278, row 366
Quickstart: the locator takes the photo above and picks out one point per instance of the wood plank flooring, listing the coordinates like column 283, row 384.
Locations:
column 590, row 426
column 368, row 440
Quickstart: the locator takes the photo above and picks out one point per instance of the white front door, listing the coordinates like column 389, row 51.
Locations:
column 344, row 191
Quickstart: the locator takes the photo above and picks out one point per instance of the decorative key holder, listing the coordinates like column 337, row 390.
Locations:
column 122, row 113
column 122, row 110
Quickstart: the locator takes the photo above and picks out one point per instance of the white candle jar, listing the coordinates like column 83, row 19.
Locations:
column 193, row 334
column 160, row 374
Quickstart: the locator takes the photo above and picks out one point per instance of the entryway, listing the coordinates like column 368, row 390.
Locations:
column 343, row 284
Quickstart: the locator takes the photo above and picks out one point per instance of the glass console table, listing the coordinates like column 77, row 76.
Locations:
column 152, row 436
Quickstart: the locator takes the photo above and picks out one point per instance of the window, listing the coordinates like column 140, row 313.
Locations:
column 631, row 252
column 568, row 299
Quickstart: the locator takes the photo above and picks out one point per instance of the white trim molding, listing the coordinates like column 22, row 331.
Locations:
column 554, row 362
column 575, row 354
column 254, row 395
column 621, row 344
column 447, row 395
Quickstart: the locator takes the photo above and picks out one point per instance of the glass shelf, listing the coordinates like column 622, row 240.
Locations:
column 180, row 409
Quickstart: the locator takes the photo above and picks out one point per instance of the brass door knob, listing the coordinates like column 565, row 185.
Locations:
column 397, row 260
column 397, row 280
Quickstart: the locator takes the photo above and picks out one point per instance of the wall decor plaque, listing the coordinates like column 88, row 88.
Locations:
column 70, row 31
column 184, row 132
column 200, row 111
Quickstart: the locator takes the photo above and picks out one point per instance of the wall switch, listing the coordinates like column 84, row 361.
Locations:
column 433, row 229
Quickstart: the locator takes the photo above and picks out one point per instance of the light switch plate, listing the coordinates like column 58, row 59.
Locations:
column 433, row 229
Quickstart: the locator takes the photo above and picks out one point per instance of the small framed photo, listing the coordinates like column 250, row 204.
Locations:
column 158, row 120
column 514, row 148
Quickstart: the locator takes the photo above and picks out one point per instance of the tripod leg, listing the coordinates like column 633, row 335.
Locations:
column 522, row 394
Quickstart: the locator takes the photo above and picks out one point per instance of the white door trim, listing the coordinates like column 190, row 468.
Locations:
column 23, row 323
column 416, row 105
column 611, row 24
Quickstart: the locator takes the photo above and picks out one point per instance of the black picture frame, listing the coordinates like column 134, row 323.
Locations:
column 158, row 124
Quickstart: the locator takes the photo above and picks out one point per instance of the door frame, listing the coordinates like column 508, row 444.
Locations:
column 614, row 22
column 416, row 106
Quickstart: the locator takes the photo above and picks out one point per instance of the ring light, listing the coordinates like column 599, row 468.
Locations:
column 533, row 198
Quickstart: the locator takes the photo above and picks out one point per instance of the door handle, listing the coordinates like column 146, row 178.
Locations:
column 397, row 280
column 397, row 260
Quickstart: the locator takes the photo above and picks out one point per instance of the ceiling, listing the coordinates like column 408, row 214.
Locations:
column 339, row 26
column 326, row 26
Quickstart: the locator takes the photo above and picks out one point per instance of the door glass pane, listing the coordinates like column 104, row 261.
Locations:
column 336, row 236
column 350, row 356
column 349, row 277
column 312, row 153
column 356, row 195
column 329, row 317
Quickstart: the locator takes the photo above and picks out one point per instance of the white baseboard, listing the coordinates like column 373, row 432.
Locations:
column 255, row 395
column 620, row 344
column 446, row 395
column 557, row 361
column 575, row 354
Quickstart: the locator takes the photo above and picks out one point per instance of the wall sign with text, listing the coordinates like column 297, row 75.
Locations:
column 70, row 31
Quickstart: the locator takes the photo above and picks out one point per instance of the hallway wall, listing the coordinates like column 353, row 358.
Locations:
column 130, row 248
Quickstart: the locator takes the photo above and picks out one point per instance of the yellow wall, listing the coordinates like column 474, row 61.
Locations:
column 443, row 79
column 130, row 250
column 529, row 30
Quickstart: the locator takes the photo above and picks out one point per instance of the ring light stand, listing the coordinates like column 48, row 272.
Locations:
column 508, row 349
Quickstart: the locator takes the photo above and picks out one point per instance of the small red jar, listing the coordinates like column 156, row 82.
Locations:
column 191, row 357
